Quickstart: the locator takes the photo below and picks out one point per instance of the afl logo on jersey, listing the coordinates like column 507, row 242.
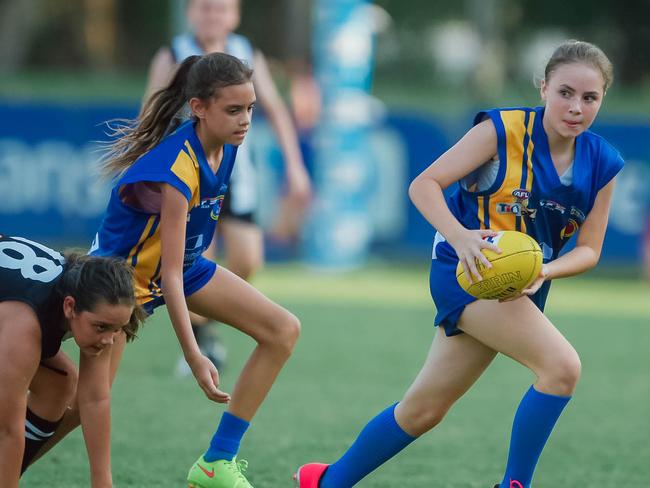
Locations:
column 519, row 207
column 521, row 194
column 216, row 209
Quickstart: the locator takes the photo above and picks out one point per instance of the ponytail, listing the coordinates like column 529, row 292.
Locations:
column 197, row 77
column 136, row 137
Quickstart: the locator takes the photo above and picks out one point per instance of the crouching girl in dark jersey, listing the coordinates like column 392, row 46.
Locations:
column 44, row 299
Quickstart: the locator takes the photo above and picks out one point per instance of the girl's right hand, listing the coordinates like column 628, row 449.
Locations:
column 468, row 245
column 207, row 377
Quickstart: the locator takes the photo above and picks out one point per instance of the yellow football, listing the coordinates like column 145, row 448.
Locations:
column 512, row 271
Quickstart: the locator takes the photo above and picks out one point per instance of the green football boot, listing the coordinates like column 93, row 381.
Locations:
column 218, row 474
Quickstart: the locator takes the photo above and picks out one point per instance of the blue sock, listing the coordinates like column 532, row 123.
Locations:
column 379, row 441
column 535, row 418
column 226, row 440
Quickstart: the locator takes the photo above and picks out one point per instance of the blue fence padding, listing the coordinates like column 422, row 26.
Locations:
column 425, row 140
column 49, row 186
column 50, row 191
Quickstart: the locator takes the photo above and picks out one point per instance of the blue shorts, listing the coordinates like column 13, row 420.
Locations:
column 449, row 297
column 194, row 278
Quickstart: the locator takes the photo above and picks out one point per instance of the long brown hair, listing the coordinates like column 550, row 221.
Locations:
column 197, row 77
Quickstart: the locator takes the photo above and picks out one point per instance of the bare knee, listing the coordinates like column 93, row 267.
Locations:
column 418, row 417
column 245, row 266
column 52, row 394
column 12, row 431
column 283, row 333
column 66, row 387
column 69, row 386
column 560, row 376
column 288, row 333
column 12, row 434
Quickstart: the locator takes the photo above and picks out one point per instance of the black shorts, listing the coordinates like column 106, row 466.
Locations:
column 228, row 213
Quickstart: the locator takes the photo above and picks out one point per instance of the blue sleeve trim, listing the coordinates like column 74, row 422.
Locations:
column 612, row 168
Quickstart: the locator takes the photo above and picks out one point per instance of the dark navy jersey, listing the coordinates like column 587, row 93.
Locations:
column 29, row 273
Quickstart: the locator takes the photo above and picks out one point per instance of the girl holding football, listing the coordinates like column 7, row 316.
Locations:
column 548, row 154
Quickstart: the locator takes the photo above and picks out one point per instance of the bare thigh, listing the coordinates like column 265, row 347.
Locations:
column 53, row 387
column 71, row 418
column 233, row 301
column 244, row 252
column 521, row 331
column 452, row 366
column 20, row 350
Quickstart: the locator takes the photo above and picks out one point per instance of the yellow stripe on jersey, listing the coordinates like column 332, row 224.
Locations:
column 142, row 254
column 190, row 151
column 513, row 122
column 146, row 266
column 481, row 211
column 143, row 237
column 529, row 160
column 186, row 167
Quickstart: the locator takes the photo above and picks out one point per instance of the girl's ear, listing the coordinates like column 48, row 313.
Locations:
column 542, row 89
column 198, row 107
column 68, row 307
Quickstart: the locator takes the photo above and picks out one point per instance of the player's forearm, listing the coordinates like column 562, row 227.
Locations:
column 12, row 445
column 576, row 261
column 96, row 425
column 179, row 316
column 287, row 138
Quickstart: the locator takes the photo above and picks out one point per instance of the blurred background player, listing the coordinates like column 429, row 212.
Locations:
column 44, row 299
column 568, row 174
column 212, row 24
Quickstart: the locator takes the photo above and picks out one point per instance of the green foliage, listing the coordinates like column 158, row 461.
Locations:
column 365, row 335
column 144, row 26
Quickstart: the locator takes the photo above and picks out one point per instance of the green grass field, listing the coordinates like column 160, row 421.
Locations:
column 364, row 338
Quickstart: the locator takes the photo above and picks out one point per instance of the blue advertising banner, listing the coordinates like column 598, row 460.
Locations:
column 49, row 184
column 50, row 189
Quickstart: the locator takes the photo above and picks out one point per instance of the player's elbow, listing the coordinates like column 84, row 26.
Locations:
column 420, row 186
column 592, row 257
column 12, row 431
column 415, row 188
column 94, row 399
column 171, row 281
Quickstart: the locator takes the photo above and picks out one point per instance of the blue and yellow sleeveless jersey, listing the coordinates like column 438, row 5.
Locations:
column 134, row 234
column 522, row 190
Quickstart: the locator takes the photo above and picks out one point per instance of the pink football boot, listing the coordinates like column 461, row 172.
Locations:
column 308, row 475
